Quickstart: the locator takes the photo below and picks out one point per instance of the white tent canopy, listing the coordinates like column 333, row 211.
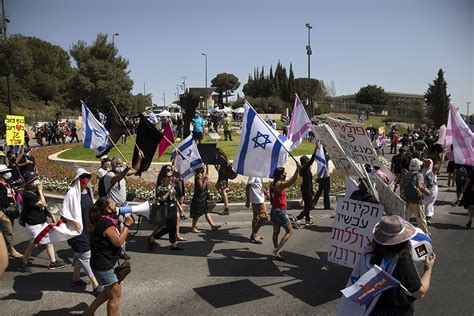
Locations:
column 239, row 110
column 164, row 113
column 224, row 110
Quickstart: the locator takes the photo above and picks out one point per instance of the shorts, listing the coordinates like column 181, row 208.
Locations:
column 105, row 277
column 278, row 216
column 197, row 135
column 34, row 230
column 222, row 184
column 259, row 212
column 84, row 259
column 451, row 166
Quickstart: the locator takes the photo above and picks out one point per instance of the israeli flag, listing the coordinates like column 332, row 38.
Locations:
column 95, row 135
column 260, row 150
column 321, row 160
column 152, row 117
column 102, row 116
column 188, row 159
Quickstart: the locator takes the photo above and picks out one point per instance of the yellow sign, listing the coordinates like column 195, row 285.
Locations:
column 15, row 126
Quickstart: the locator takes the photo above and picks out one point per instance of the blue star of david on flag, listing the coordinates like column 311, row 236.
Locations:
column 265, row 140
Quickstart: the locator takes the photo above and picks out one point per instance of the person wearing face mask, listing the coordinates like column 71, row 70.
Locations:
column 15, row 170
column 26, row 162
column 81, row 244
column 7, row 198
column 35, row 216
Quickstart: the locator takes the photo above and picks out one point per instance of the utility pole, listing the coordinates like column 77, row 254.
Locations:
column 205, row 76
column 184, row 83
column 177, row 92
column 144, row 91
column 164, row 98
column 4, row 26
column 309, row 52
column 467, row 113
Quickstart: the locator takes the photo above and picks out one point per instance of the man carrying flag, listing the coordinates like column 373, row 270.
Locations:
column 300, row 124
column 323, row 179
column 261, row 149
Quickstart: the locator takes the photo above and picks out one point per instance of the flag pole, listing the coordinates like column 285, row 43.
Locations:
column 121, row 154
column 113, row 105
column 268, row 127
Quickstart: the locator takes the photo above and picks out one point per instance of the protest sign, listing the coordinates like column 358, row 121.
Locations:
column 354, row 141
column 15, row 128
column 352, row 230
column 342, row 163
column 393, row 204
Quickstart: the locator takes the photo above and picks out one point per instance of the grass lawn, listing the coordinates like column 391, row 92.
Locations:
column 81, row 153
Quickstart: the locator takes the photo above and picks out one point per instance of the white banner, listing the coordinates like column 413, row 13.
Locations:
column 342, row 163
column 354, row 141
column 352, row 230
column 394, row 205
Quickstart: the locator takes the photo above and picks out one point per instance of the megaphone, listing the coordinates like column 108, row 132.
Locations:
column 155, row 213
column 421, row 245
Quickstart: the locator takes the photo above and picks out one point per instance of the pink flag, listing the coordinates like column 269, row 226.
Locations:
column 168, row 138
column 300, row 124
column 463, row 138
column 442, row 135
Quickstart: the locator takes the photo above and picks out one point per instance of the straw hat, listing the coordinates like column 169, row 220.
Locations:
column 415, row 164
column 4, row 168
column 392, row 230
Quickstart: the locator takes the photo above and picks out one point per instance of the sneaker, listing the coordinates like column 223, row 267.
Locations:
column 308, row 223
column 296, row 223
column 24, row 268
column 58, row 264
column 224, row 212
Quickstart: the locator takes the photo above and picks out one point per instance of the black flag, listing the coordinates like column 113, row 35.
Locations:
column 115, row 127
column 148, row 138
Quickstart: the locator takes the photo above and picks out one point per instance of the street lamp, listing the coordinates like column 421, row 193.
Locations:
column 4, row 26
column 115, row 79
column 309, row 52
column 184, row 84
column 467, row 113
column 205, row 77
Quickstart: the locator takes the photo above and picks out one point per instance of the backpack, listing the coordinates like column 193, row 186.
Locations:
column 461, row 174
column 397, row 161
column 101, row 188
column 231, row 174
column 411, row 193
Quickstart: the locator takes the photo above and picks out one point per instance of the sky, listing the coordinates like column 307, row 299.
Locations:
column 397, row 44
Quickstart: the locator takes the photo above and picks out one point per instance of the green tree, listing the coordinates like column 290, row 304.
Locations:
column 372, row 94
column 139, row 102
column 303, row 88
column 438, row 100
column 225, row 84
column 101, row 76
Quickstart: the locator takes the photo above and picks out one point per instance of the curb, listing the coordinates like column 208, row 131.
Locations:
column 233, row 207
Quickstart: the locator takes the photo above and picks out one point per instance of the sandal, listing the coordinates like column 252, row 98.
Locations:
column 216, row 227
column 255, row 240
column 180, row 238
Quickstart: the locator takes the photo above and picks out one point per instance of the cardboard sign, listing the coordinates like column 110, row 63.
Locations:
column 393, row 204
column 342, row 163
column 214, row 136
column 208, row 153
column 354, row 141
column 352, row 230
column 15, row 128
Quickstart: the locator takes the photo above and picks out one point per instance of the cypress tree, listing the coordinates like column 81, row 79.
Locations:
column 438, row 100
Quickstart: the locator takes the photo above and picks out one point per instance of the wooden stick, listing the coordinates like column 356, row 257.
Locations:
column 125, row 159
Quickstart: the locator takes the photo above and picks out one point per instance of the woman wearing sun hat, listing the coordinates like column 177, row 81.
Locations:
column 391, row 243
column 391, row 251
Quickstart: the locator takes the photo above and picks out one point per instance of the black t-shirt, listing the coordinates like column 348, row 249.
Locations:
column 6, row 197
column 104, row 255
column 223, row 163
column 307, row 176
column 27, row 167
column 34, row 215
column 395, row 301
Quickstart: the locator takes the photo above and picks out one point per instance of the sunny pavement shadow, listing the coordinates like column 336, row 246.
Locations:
column 74, row 310
column 30, row 287
column 320, row 282
column 232, row 293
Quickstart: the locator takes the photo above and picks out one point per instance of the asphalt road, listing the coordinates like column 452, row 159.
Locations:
column 222, row 273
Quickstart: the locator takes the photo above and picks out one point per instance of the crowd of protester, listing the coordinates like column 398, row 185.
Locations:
column 100, row 246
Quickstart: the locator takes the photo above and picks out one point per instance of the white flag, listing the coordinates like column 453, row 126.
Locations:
column 300, row 123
